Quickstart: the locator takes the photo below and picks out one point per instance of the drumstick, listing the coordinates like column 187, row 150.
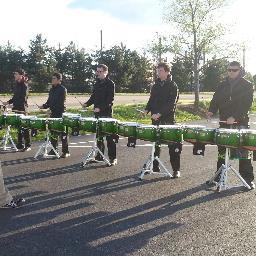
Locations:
column 140, row 111
column 78, row 101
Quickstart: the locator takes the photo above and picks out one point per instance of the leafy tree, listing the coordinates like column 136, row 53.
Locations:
column 196, row 30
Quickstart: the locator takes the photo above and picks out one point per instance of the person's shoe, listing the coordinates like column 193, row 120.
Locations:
column 26, row 149
column 65, row 155
column 176, row 174
column 15, row 203
column 113, row 162
column 251, row 184
column 210, row 183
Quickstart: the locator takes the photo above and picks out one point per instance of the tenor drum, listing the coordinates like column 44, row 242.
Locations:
column 88, row 124
column 170, row 133
column 108, row 125
column 206, row 135
column 38, row 123
column 71, row 120
column 127, row 129
column 248, row 139
column 227, row 137
column 147, row 132
column 190, row 132
column 56, row 124
column 25, row 121
column 13, row 119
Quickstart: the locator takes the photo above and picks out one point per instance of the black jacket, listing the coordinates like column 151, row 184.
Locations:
column 56, row 100
column 20, row 97
column 234, row 101
column 102, row 97
column 163, row 100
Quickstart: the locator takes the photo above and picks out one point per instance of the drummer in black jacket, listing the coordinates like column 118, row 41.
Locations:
column 56, row 102
column 20, row 104
column 162, row 105
column 233, row 99
column 102, row 98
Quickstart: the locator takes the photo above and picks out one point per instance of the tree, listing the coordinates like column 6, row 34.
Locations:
column 197, row 30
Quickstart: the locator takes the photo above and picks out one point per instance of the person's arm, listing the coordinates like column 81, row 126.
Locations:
column 214, row 104
column 110, row 94
column 91, row 99
column 171, row 101
column 150, row 100
column 243, row 108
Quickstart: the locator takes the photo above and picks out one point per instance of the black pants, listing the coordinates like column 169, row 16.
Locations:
column 23, row 134
column 245, row 165
column 64, row 140
column 111, row 145
column 175, row 148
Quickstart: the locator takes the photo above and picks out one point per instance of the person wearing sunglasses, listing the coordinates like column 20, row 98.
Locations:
column 233, row 99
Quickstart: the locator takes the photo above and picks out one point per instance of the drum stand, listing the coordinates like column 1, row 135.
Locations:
column 44, row 147
column 148, row 165
column 7, row 136
column 222, row 173
column 90, row 157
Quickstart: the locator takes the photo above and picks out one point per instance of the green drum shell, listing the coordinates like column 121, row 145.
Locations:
column 147, row 132
column 13, row 119
column 190, row 132
column 206, row 135
column 127, row 129
column 71, row 120
column 170, row 133
column 25, row 121
column 56, row 124
column 2, row 120
column 227, row 137
column 88, row 124
column 38, row 123
column 108, row 125
column 248, row 139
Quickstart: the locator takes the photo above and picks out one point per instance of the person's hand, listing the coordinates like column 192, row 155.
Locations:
column 231, row 120
column 96, row 110
column 209, row 115
column 84, row 106
column 156, row 116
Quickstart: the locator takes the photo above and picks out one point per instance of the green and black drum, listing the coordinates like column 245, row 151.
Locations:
column 227, row 137
column 108, row 125
column 206, row 135
column 25, row 121
column 88, row 124
column 170, row 133
column 71, row 120
column 127, row 129
column 38, row 123
column 190, row 132
column 56, row 124
column 13, row 119
column 248, row 139
column 147, row 132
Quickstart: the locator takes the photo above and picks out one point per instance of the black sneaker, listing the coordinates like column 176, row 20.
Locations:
column 15, row 203
column 65, row 155
column 52, row 153
column 113, row 162
column 26, row 149
column 176, row 174
column 156, row 169
column 99, row 158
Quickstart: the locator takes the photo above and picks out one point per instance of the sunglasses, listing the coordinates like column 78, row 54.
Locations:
column 233, row 69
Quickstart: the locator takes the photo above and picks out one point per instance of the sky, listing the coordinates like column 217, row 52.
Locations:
column 133, row 22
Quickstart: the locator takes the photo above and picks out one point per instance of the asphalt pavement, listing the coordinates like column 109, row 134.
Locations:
column 99, row 210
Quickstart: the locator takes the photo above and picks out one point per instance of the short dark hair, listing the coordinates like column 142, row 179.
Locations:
column 235, row 63
column 165, row 66
column 21, row 71
column 57, row 75
column 103, row 66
